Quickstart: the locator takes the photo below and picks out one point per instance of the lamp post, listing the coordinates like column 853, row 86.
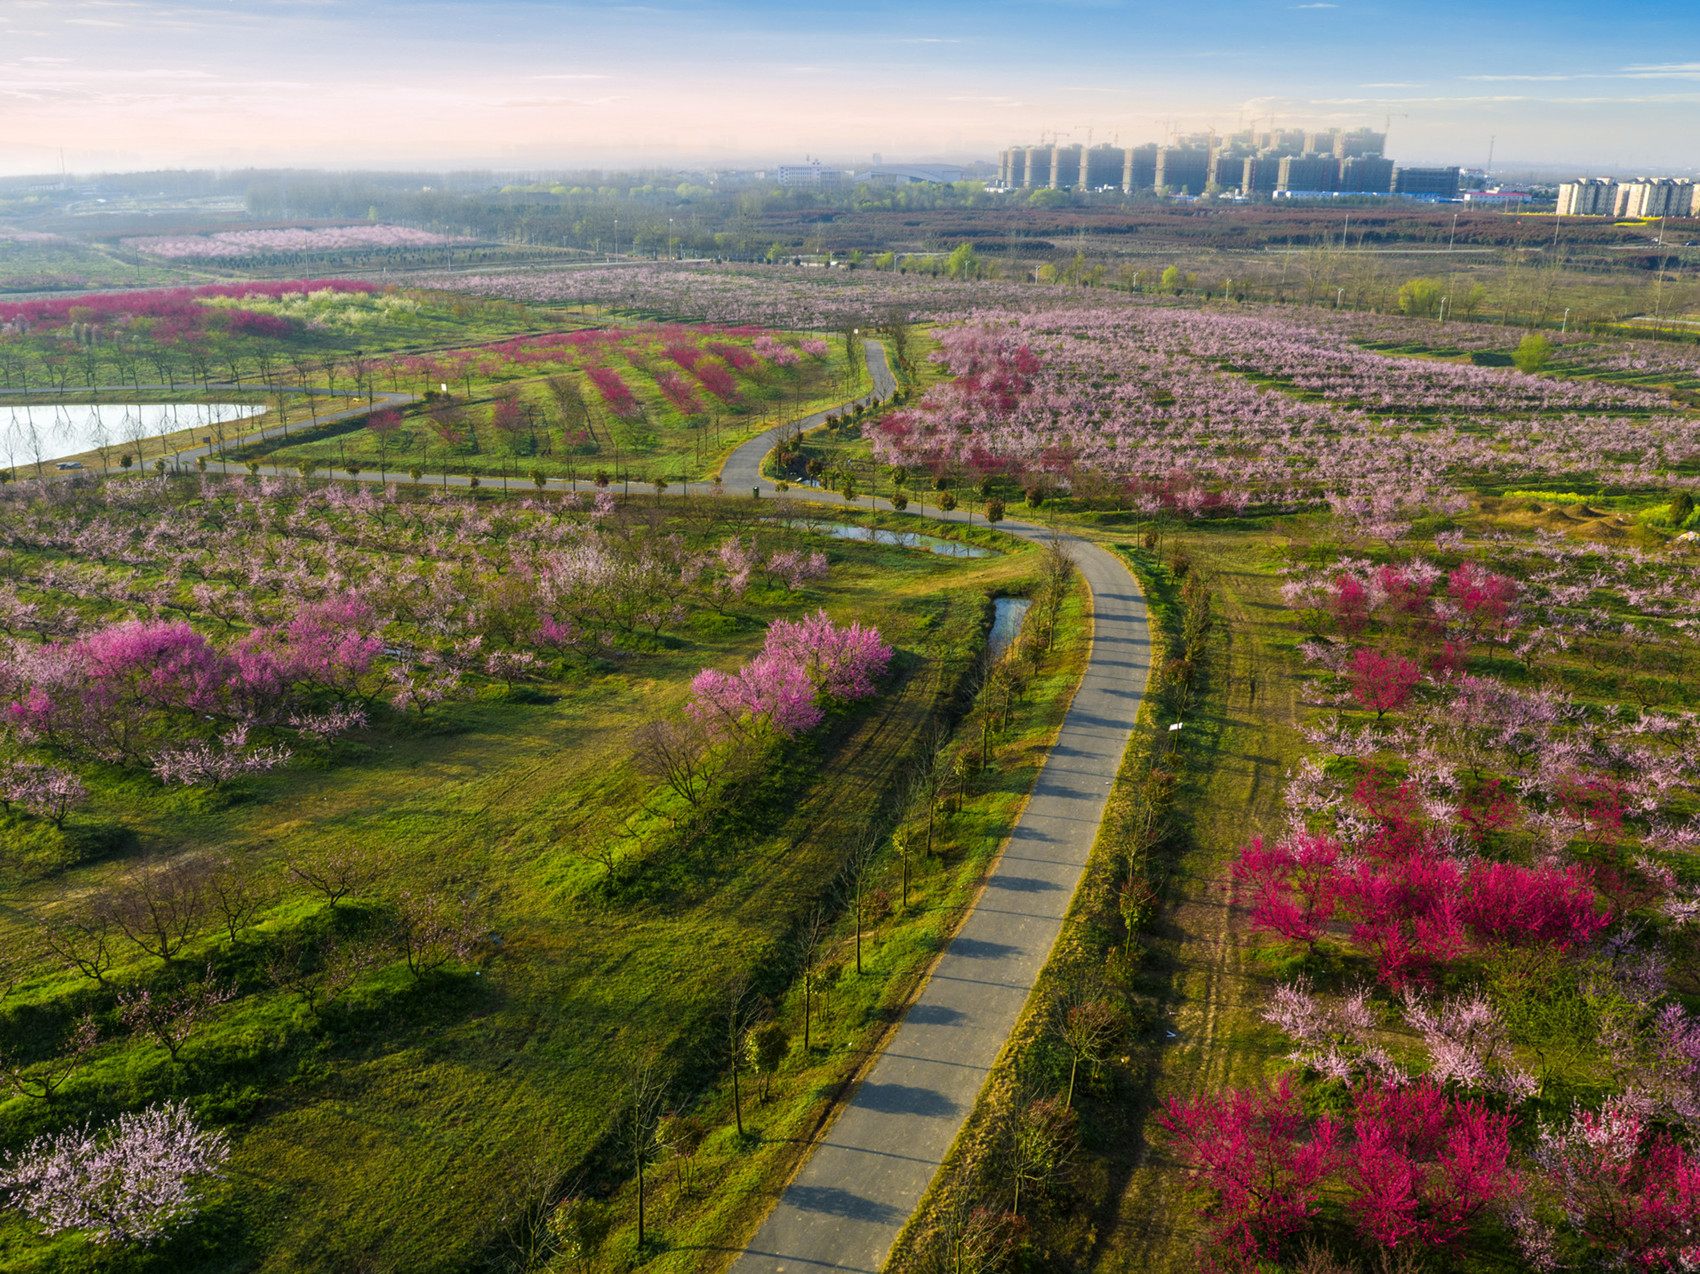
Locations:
column 1443, row 311
column 1338, row 293
column 670, row 238
column 1565, row 326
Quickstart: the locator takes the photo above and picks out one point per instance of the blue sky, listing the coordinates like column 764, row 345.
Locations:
column 120, row 83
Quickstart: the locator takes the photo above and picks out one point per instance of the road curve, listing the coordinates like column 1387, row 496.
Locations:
column 867, row 1173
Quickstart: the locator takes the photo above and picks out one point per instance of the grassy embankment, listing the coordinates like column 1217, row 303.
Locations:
column 706, row 1204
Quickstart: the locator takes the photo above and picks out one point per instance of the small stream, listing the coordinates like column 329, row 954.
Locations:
column 903, row 539
column 1007, row 613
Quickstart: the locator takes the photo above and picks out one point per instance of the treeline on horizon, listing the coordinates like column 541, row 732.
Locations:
column 651, row 213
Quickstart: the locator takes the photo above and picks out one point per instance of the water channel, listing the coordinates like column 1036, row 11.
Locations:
column 903, row 539
column 1007, row 613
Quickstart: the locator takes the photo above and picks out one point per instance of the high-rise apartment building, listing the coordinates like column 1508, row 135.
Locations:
column 1247, row 162
column 1065, row 167
column 1101, row 168
column 1308, row 173
column 1182, row 169
column 1429, row 183
column 1139, row 168
column 1366, row 174
column 1359, row 143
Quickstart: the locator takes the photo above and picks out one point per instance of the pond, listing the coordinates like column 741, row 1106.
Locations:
column 1007, row 613
column 46, row 434
column 903, row 539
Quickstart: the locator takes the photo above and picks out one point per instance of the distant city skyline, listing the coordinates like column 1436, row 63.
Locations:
column 120, row 84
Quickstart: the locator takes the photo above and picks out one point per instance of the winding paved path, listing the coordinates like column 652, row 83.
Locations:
column 871, row 1166
column 868, row 1172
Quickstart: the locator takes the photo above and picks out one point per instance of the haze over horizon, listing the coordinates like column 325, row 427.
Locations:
column 120, row 84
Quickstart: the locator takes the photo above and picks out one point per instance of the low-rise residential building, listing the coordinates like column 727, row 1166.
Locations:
column 811, row 175
column 1587, row 197
column 1654, row 197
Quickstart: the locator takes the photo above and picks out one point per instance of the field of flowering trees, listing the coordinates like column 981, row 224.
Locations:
column 1478, row 915
column 1386, row 960
column 1158, row 408
column 324, row 800
column 1447, row 1017
column 243, row 244
column 645, row 401
column 507, row 392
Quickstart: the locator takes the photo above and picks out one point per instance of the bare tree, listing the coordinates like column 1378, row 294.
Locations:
column 812, row 941
column 677, row 754
column 319, row 973
column 162, row 906
column 42, row 1080
column 1088, row 1025
column 928, row 781
column 172, row 1019
column 858, row 876
column 900, row 843
column 431, row 930
column 83, row 940
column 639, row 1125
column 360, row 370
column 1059, row 571
column 976, row 1239
column 1037, row 1139
column 236, row 894
column 18, row 958
column 339, row 872
column 743, row 1009
column 899, row 332
column 569, row 402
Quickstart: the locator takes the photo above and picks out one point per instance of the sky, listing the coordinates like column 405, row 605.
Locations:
column 528, row 85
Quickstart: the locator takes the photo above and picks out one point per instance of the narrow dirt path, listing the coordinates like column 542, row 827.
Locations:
column 1219, row 1040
